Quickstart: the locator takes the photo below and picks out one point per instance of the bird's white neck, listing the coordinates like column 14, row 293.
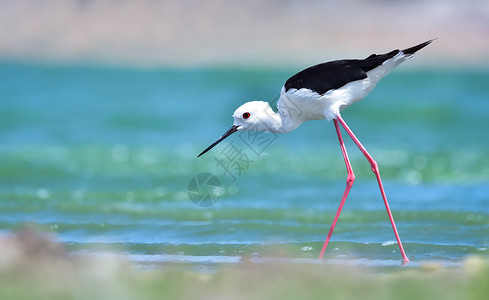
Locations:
column 280, row 122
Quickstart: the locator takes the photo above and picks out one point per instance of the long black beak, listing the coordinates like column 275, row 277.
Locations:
column 233, row 129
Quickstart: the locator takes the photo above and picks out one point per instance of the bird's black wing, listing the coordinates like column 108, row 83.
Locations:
column 335, row 74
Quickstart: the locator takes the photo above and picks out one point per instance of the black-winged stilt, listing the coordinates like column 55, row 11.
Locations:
column 321, row 92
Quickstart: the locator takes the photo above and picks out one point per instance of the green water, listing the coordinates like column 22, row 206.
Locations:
column 103, row 158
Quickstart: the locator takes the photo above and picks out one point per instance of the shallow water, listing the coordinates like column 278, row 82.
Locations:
column 104, row 157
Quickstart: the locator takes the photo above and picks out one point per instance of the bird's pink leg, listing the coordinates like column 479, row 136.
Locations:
column 349, row 182
column 375, row 169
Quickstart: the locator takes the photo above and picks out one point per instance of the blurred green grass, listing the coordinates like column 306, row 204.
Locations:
column 34, row 266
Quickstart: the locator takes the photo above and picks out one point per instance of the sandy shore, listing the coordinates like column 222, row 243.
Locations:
column 34, row 266
column 196, row 33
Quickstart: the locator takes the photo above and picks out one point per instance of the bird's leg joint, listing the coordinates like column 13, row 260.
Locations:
column 350, row 178
column 375, row 166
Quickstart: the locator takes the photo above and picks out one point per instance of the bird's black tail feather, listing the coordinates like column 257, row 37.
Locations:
column 414, row 49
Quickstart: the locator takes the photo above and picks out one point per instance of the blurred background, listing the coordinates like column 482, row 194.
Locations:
column 280, row 32
column 104, row 106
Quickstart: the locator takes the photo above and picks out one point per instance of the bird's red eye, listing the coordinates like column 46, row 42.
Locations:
column 246, row 115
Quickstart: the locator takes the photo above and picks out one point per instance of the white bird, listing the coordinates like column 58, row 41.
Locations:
column 322, row 92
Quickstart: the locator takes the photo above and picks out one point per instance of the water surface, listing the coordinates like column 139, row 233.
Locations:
column 102, row 156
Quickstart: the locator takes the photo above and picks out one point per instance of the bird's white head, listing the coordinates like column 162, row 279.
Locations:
column 251, row 116
column 255, row 116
